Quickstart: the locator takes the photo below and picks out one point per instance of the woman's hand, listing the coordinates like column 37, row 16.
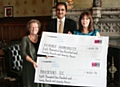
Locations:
column 35, row 65
column 29, row 59
column 48, row 56
column 69, row 32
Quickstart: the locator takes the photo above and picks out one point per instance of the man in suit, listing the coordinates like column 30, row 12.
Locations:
column 68, row 24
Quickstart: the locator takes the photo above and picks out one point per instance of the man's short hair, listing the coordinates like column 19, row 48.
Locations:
column 61, row 3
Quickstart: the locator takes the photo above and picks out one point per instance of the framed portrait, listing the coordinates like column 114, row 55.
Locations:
column 8, row 11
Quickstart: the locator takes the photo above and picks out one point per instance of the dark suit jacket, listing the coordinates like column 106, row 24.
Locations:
column 69, row 25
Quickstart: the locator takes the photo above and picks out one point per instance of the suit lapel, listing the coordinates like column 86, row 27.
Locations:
column 55, row 25
column 66, row 25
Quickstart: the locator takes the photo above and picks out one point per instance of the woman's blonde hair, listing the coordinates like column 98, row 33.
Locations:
column 33, row 21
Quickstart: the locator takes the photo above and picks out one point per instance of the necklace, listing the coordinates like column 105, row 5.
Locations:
column 33, row 38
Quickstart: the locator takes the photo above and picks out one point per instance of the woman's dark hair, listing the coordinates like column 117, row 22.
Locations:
column 33, row 21
column 90, row 27
column 61, row 3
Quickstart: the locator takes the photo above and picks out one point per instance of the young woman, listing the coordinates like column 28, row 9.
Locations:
column 86, row 26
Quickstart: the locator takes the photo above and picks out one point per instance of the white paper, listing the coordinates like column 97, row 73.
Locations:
column 78, row 60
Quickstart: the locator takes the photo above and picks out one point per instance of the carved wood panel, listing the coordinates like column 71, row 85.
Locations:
column 16, row 29
column 106, row 20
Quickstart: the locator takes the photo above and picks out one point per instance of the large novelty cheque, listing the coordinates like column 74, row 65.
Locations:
column 74, row 60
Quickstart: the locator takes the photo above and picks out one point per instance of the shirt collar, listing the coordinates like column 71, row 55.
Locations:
column 63, row 19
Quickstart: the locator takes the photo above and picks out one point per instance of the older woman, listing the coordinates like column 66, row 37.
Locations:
column 29, row 49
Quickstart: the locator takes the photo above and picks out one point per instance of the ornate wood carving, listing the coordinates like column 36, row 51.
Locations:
column 107, row 20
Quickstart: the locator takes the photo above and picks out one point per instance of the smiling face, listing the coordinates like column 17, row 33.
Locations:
column 34, row 28
column 60, row 11
column 85, row 21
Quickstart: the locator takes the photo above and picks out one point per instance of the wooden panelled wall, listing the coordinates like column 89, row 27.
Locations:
column 15, row 28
